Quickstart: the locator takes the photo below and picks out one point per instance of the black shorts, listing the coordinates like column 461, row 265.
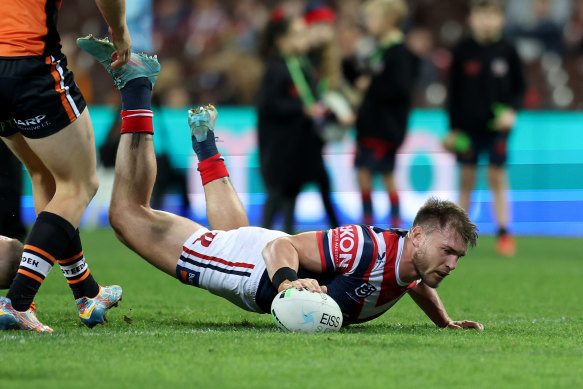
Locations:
column 38, row 96
column 376, row 159
column 495, row 146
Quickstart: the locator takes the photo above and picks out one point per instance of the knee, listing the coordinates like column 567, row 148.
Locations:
column 86, row 189
column 42, row 179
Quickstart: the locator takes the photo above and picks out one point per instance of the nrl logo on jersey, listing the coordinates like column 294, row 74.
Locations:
column 364, row 290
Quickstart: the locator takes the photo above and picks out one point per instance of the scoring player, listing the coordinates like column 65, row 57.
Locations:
column 365, row 269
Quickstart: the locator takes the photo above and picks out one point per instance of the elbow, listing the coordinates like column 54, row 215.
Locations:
column 267, row 251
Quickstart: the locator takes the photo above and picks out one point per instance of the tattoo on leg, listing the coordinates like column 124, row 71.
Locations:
column 135, row 141
column 225, row 180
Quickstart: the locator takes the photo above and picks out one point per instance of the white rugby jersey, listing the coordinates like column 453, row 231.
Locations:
column 363, row 262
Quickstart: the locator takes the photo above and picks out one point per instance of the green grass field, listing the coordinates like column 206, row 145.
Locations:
column 181, row 336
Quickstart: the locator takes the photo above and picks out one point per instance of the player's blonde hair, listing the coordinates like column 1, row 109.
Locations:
column 397, row 8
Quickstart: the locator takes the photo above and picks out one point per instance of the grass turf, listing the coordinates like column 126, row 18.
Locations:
column 180, row 335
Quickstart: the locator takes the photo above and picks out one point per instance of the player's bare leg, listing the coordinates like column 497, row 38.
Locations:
column 156, row 236
column 223, row 207
column 497, row 180
column 137, row 225
column 43, row 183
column 70, row 157
column 467, row 179
column 63, row 170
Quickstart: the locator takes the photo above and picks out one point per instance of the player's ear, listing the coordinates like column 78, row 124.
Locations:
column 417, row 236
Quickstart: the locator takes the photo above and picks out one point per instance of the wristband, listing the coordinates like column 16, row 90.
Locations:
column 282, row 274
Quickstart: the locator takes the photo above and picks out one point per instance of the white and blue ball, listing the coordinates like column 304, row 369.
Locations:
column 303, row 311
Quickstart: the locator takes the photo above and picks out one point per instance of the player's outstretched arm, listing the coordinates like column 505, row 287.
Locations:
column 114, row 13
column 428, row 300
column 284, row 255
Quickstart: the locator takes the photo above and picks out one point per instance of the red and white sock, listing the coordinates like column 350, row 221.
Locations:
column 212, row 169
column 137, row 120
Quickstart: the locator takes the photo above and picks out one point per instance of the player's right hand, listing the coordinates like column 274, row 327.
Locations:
column 304, row 283
column 123, row 47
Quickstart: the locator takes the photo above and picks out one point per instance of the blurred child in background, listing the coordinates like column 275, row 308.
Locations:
column 285, row 123
column 325, row 64
column 486, row 88
column 382, row 118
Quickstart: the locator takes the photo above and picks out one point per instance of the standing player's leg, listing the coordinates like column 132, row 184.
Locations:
column 467, row 180
column 55, row 236
column 498, row 184
column 43, row 183
column 67, row 151
column 498, row 181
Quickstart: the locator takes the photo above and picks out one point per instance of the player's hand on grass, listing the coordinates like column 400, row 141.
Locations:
column 465, row 324
column 304, row 283
column 123, row 47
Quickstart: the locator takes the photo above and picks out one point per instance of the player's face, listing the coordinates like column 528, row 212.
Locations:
column 438, row 256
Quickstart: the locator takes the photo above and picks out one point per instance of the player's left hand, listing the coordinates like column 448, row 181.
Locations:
column 123, row 47
column 506, row 121
column 465, row 324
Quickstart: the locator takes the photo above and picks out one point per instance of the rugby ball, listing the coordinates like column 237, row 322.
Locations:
column 303, row 311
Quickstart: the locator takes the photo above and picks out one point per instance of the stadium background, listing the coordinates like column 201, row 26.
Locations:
column 207, row 50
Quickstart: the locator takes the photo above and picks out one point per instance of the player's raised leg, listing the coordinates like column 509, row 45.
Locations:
column 155, row 235
column 223, row 206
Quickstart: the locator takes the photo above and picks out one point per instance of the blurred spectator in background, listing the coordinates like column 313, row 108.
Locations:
column 284, row 122
column 542, row 28
column 383, row 115
column 10, row 191
column 486, row 88
column 215, row 40
column 330, row 124
column 140, row 20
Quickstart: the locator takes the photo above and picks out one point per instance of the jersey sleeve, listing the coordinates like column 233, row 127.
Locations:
column 340, row 248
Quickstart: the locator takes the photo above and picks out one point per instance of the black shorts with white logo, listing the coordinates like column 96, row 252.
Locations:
column 495, row 145
column 38, row 96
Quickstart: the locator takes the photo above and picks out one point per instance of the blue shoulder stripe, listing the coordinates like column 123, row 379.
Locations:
column 367, row 252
